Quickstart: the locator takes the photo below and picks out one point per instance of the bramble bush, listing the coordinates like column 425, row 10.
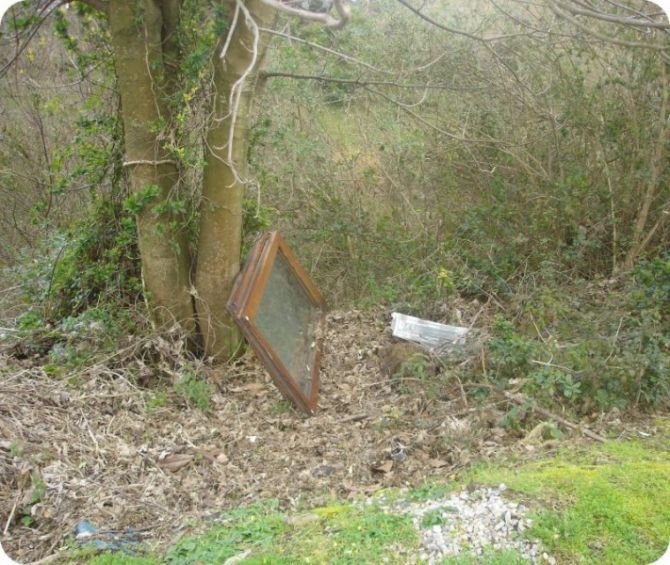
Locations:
column 592, row 345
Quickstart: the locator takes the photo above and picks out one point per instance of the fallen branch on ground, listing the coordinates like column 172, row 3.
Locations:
column 522, row 400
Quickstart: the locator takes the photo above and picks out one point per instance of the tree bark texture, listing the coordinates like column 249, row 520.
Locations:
column 220, row 236
column 137, row 31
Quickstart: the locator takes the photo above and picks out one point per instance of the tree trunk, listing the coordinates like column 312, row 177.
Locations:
column 136, row 30
column 638, row 239
column 226, row 170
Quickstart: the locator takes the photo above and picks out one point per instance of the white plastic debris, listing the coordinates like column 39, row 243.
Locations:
column 432, row 335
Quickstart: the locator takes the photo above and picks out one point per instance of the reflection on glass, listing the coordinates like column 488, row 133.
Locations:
column 288, row 321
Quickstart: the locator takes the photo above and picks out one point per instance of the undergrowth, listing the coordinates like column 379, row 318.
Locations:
column 336, row 534
column 604, row 503
column 590, row 345
column 581, row 346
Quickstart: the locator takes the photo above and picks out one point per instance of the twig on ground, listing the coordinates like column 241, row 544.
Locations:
column 550, row 364
column 11, row 515
column 568, row 424
column 467, row 411
column 48, row 559
column 353, row 418
column 523, row 400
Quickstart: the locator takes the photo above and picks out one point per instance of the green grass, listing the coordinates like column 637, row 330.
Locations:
column 91, row 556
column 430, row 491
column 433, row 518
column 253, row 527
column 605, row 504
column 337, row 534
column 121, row 559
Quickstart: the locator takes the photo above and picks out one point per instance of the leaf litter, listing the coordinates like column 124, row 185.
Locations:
column 93, row 446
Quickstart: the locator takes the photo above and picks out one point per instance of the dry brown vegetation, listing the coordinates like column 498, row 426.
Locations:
column 516, row 185
column 100, row 447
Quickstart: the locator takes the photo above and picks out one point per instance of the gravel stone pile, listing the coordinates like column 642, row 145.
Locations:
column 473, row 522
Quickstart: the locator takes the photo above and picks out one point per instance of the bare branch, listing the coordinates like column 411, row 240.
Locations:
column 662, row 220
column 344, row 12
column 406, row 108
column 634, row 11
column 150, row 163
column 338, row 54
column 342, row 8
column 455, row 31
column 656, row 166
column 229, row 37
column 614, row 18
column 42, row 12
column 635, row 44
column 354, row 60
column 352, row 81
column 236, row 90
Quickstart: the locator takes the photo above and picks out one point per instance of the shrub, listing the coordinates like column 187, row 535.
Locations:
column 591, row 345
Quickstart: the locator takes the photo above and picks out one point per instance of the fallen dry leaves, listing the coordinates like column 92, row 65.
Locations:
column 100, row 450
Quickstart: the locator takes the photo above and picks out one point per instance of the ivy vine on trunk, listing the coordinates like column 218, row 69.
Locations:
column 165, row 52
column 179, row 287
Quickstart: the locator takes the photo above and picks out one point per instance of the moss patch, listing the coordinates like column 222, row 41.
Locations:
column 339, row 534
column 255, row 528
column 605, row 503
column 609, row 503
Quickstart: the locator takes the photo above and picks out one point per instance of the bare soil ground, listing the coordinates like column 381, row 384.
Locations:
column 93, row 445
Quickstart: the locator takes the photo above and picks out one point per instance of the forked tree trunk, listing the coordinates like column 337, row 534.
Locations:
column 221, row 214
column 146, row 63
column 136, row 31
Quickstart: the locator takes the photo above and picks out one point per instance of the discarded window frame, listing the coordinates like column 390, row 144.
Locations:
column 280, row 312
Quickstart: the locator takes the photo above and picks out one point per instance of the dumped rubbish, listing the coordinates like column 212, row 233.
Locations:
column 281, row 313
column 432, row 335
column 88, row 535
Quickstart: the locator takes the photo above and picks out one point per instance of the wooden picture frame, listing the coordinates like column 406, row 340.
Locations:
column 292, row 359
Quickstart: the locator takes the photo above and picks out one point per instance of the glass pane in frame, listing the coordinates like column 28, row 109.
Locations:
column 280, row 310
column 288, row 320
